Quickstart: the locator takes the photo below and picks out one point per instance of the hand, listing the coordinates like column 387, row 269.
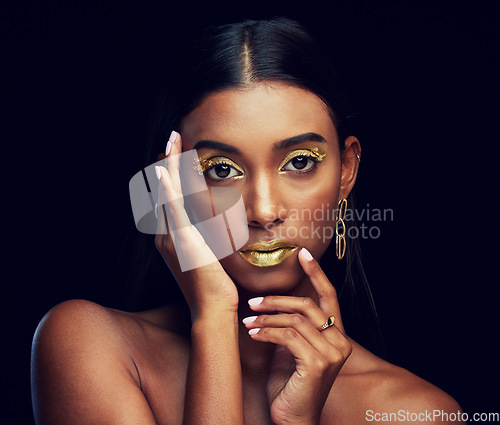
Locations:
column 318, row 356
column 207, row 288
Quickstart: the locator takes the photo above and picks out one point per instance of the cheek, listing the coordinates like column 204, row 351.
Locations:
column 314, row 195
column 312, row 213
column 319, row 193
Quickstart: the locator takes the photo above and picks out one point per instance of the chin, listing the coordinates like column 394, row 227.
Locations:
column 271, row 280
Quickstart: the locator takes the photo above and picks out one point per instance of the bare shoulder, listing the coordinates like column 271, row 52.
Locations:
column 76, row 323
column 88, row 359
column 395, row 395
column 73, row 328
column 68, row 314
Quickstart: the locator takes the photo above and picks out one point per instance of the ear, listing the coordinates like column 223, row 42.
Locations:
column 350, row 164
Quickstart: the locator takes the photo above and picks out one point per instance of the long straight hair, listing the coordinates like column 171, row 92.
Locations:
column 237, row 56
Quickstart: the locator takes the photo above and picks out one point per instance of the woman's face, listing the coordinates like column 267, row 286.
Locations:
column 277, row 145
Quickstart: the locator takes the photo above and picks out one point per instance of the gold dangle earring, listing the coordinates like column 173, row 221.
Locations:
column 340, row 242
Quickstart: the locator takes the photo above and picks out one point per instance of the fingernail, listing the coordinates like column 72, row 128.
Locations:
column 255, row 301
column 173, row 137
column 306, row 255
column 253, row 331
column 158, row 172
column 248, row 320
column 167, row 149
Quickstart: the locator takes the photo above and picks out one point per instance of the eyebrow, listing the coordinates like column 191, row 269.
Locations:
column 296, row 140
column 283, row 144
column 210, row 144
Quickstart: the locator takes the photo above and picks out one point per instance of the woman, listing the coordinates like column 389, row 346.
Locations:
column 266, row 344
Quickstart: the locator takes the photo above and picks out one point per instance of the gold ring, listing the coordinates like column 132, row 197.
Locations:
column 330, row 321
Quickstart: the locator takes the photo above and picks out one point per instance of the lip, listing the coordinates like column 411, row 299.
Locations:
column 266, row 254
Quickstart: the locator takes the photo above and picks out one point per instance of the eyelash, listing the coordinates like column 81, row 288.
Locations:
column 226, row 161
column 316, row 155
column 307, row 156
column 211, row 163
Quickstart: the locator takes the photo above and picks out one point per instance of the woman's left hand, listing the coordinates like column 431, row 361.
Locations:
column 300, row 397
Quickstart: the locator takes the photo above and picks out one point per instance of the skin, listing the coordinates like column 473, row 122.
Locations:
column 98, row 365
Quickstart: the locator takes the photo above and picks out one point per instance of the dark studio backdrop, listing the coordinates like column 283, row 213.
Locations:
column 81, row 78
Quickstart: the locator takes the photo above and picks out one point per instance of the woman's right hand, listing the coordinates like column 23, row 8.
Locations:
column 207, row 288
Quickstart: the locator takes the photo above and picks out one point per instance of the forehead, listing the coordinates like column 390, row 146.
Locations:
column 263, row 114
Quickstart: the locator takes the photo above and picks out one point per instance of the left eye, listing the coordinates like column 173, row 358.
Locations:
column 299, row 163
column 222, row 172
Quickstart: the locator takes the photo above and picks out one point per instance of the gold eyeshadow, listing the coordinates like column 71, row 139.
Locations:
column 317, row 154
column 206, row 162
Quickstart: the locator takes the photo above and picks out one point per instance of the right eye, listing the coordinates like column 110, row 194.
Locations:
column 220, row 169
column 222, row 172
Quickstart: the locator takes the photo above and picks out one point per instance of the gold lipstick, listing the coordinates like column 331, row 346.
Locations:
column 265, row 254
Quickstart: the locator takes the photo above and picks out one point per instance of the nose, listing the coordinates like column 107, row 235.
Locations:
column 264, row 203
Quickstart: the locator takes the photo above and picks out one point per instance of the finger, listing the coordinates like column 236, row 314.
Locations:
column 172, row 160
column 169, row 188
column 161, row 226
column 328, row 301
column 324, row 342
column 172, row 199
column 283, row 304
column 163, row 238
column 188, row 242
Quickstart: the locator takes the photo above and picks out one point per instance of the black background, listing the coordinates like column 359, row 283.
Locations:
column 79, row 81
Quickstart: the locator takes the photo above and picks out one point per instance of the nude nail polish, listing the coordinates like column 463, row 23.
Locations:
column 306, row 255
column 173, row 137
column 255, row 301
column 248, row 320
column 167, row 149
column 253, row 331
column 158, row 172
